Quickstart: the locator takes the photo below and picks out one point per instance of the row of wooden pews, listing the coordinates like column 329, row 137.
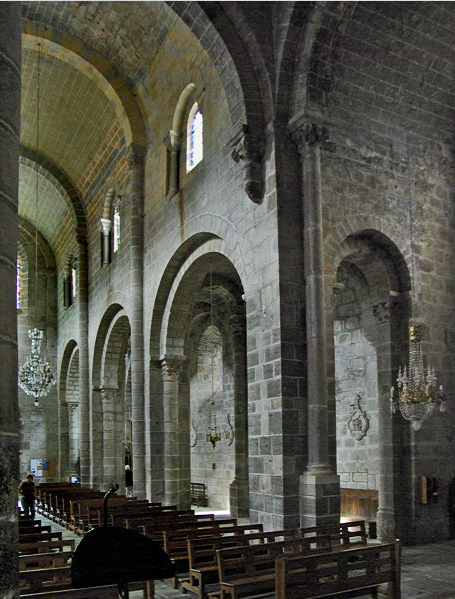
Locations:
column 318, row 561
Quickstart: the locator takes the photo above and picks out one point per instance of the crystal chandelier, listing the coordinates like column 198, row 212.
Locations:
column 417, row 395
column 35, row 375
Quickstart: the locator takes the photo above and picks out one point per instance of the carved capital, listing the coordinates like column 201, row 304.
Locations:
column 249, row 150
column 308, row 135
column 108, row 394
column 135, row 160
column 106, row 225
column 171, row 367
column 81, row 239
column 72, row 407
column 382, row 311
column 176, row 140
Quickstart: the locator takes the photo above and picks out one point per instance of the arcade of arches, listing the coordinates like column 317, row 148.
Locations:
column 256, row 288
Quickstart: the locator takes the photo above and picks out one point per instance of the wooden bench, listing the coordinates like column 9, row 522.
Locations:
column 348, row 534
column 103, row 592
column 343, row 574
column 54, row 559
column 56, row 583
column 199, row 494
column 202, row 555
column 250, row 570
column 45, row 546
column 176, row 541
column 37, row 536
column 33, row 529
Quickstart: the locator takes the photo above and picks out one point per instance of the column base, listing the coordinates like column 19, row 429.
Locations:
column 319, row 490
column 385, row 522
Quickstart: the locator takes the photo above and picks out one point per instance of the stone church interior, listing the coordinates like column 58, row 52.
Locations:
column 227, row 258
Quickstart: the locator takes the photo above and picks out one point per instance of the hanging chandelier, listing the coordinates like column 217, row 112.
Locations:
column 213, row 434
column 35, row 375
column 417, row 395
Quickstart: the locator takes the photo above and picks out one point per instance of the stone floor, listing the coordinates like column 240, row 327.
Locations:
column 428, row 572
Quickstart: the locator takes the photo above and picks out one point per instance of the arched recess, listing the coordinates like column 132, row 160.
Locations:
column 371, row 307
column 204, row 318
column 69, row 419
column 109, row 401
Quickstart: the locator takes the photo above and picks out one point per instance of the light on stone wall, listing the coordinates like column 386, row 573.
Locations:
column 35, row 375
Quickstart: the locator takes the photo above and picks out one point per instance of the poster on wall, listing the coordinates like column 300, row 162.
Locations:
column 42, row 467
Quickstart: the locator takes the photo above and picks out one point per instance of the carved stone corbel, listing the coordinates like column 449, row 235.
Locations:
column 250, row 151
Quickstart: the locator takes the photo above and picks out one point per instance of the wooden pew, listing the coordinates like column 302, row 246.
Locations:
column 44, row 536
column 343, row 574
column 176, row 541
column 54, row 583
column 202, row 555
column 103, row 592
column 250, row 569
column 54, row 559
column 45, row 546
column 33, row 529
column 348, row 534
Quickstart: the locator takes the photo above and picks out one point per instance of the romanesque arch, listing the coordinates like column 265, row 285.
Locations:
column 193, row 335
column 370, row 331
column 69, row 418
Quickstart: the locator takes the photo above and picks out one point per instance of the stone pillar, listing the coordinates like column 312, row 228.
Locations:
column 385, row 516
column 170, row 370
column 10, row 106
column 73, row 438
column 108, row 398
column 319, row 485
column 84, row 405
column 238, row 491
column 135, row 194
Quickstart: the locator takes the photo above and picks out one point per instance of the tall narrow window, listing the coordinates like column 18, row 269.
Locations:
column 19, row 283
column 73, row 281
column 194, row 138
column 117, row 227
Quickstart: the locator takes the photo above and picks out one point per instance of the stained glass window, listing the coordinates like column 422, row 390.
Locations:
column 194, row 138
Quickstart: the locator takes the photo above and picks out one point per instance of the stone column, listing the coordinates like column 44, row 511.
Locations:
column 174, row 162
column 108, row 397
column 135, row 194
column 319, row 485
column 170, row 370
column 238, row 491
column 73, row 438
column 84, row 407
column 385, row 516
column 10, row 106
column 106, row 226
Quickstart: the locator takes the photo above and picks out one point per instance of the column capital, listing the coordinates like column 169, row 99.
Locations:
column 308, row 134
column 135, row 160
column 106, row 225
column 108, row 393
column 171, row 366
column 72, row 406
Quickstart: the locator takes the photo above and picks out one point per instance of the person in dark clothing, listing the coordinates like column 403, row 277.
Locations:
column 27, row 491
column 128, row 481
